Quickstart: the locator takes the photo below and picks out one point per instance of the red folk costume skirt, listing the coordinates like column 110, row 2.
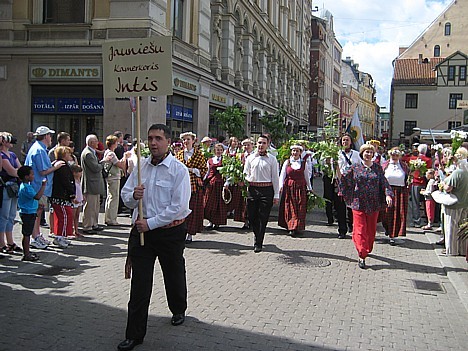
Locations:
column 394, row 218
column 293, row 205
column 237, row 203
column 215, row 207
column 195, row 219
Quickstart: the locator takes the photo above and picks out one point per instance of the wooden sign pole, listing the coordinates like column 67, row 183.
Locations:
column 138, row 137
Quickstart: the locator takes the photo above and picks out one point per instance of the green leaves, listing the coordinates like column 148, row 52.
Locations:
column 232, row 120
column 275, row 125
column 233, row 171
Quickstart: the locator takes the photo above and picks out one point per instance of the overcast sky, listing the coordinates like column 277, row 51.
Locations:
column 371, row 31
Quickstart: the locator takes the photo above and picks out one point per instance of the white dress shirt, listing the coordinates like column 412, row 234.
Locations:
column 167, row 191
column 395, row 174
column 352, row 155
column 263, row 169
column 295, row 164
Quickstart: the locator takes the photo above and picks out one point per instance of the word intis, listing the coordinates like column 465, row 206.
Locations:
column 137, row 86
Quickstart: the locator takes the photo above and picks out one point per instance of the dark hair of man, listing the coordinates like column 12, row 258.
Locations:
column 264, row 136
column 118, row 133
column 62, row 136
column 41, row 137
column 23, row 172
column 165, row 129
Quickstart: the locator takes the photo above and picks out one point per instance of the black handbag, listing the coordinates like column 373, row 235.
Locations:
column 11, row 188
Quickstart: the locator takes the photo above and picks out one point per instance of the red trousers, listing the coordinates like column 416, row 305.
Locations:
column 430, row 211
column 63, row 217
column 364, row 228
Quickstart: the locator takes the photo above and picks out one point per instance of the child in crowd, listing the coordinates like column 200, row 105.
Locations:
column 28, row 204
column 429, row 201
column 78, row 201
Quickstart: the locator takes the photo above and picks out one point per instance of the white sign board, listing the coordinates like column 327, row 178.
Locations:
column 462, row 103
column 137, row 67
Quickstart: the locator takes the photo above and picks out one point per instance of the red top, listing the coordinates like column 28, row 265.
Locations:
column 419, row 179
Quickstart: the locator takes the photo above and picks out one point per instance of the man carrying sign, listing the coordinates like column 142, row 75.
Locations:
column 165, row 207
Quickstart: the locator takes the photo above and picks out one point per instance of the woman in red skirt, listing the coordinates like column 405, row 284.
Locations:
column 196, row 164
column 237, row 204
column 215, row 207
column 294, row 182
column 394, row 217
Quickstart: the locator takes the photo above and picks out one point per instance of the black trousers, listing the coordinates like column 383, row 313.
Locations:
column 344, row 214
column 259, row 203
column 168, row 246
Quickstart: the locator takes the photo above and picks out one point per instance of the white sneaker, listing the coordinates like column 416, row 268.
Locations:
column 37, row 243
column 43, row 240
column 60, row 242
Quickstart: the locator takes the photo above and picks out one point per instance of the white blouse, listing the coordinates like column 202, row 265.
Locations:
column 395, row 174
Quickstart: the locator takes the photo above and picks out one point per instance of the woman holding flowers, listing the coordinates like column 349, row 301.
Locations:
column 196, row 164
column 294, row 182
column 215, row 207
column 394, row 217
column 366, row 191
column 418, row 165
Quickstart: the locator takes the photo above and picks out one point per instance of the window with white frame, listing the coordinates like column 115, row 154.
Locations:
column 64, row 11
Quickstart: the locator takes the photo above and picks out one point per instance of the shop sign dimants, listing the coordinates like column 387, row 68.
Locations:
column 65, row 72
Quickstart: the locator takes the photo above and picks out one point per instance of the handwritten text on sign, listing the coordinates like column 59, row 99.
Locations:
column 138, row 67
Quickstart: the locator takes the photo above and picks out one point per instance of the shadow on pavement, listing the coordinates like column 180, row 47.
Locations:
column 56, row 323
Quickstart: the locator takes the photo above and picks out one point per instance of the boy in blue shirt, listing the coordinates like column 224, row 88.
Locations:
column 28, row 204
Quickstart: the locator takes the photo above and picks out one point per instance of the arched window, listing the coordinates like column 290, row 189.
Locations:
column 448, row 28
column 437, row 51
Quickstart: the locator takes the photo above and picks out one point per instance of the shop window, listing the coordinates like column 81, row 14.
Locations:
column 214, row 130
column 411, row 101
column 437, row 51
column 64, row 11
column 453, row 100
column 179, row 115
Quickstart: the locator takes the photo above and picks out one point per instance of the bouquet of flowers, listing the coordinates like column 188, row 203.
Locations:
column 313, row 201
column 458, row 137
column 418, row 165
column 233, row 171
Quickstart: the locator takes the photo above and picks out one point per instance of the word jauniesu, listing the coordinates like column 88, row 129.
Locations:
column 142, row 50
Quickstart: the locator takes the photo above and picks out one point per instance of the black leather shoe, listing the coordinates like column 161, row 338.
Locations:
column 291, row 233
column 440, row 242
column 89, row 231
column 98, row 228
column 257, row 248
column 209, row 227
column 362, row 263
column 129, row 344
column 341, row 236
column 178, row 319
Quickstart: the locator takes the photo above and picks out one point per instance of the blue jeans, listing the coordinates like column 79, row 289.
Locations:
column 7, row 212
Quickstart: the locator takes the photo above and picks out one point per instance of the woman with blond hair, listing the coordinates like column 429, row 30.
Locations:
column 366, row 191
column 115, row 168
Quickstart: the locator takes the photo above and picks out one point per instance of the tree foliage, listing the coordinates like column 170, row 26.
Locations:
column 276, row 125
column 232, row 120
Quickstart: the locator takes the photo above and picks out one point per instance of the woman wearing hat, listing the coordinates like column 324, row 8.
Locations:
column 394, row 217
column 294, row 182
column 366, row 191
column 196, row 164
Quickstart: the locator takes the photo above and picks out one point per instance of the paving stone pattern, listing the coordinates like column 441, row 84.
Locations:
column 298, row 294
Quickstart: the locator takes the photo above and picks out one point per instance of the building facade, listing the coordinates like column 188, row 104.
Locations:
column 325, row 58
column 251, row 53
column 430, row 77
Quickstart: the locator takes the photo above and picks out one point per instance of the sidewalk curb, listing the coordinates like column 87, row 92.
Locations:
column 451, row 266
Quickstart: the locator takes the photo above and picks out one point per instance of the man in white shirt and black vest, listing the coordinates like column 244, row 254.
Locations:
column 262, row 173
column 165, row 190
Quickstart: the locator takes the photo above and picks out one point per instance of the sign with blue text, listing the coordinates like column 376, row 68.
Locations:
column 137, row 67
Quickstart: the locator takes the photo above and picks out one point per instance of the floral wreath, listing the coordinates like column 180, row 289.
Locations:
column 226, row 195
